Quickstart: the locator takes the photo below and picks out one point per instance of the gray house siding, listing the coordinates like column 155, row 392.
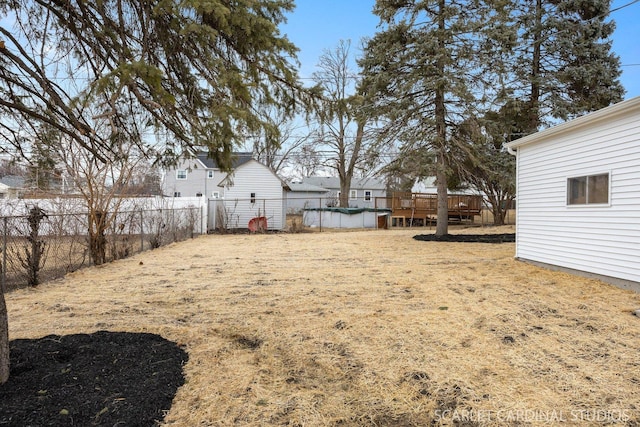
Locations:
column 365, row 190
column 304, row 196
column 196, row 182
column 202, row 176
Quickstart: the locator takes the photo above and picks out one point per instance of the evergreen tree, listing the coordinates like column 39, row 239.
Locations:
column 563, row 67
column 423, row 75
column 192, row 72
column 563, row 64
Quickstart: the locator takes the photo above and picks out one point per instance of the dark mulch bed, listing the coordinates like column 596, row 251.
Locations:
column 468, row 238
column 104, row 378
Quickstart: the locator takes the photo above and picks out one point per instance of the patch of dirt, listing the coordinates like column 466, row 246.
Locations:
column 468, row 238
column 104, row 378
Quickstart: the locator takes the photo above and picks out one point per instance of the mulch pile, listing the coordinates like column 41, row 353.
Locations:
column 104, row 378
column 468, row 238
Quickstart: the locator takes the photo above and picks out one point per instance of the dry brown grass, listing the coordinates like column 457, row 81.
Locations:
column 362, row 328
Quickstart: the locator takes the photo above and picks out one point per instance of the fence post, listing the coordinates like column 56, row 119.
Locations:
column 141, row 231
column 3, row 278
column 173, row 225
column 202, row 219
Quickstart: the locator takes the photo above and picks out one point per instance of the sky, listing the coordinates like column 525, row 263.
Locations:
column 316, row 25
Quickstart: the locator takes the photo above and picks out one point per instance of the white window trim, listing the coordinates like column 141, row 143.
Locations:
column 215, row 195
column 353, row 194
column 368, row 195
column 186, row 174
column 210, row 174
column 588, row 205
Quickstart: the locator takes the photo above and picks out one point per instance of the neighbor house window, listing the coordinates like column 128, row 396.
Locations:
column 353, row 194
column 367, row 195
column 588, row 190
column 176, row 194
column 210, row 174
column 253, row 197
column 181, row 174
column 215, row 195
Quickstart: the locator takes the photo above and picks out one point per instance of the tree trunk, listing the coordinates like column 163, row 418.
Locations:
column 442, row 224
column 345, row 186
column 496, row 207
column 440, row 112
column 498, row 215
column 4, row 340
column 97, row 239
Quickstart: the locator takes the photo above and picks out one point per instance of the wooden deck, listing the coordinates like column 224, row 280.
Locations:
column 421, row 208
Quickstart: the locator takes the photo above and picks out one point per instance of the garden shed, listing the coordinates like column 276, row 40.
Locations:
column 578, row 195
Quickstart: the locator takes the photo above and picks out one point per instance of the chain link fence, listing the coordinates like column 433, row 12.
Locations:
column 39, row 247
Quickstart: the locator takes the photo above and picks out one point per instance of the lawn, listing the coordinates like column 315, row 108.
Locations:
column 360, row 328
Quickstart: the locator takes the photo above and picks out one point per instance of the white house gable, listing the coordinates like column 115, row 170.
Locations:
column 253, row 190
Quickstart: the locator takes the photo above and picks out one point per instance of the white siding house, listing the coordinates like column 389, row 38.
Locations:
column 578, row 195
column 251, row 190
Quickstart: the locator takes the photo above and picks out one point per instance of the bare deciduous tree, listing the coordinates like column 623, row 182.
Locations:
column 341, row 129
column 277, row 147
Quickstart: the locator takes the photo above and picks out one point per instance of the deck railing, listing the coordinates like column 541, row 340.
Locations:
column 409, row 207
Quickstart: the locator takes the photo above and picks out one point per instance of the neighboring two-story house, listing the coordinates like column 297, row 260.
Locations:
column 362, row 194
column 251, row 190
column 198, row 176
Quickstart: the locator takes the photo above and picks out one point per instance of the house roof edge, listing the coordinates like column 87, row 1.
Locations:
column 604, row 113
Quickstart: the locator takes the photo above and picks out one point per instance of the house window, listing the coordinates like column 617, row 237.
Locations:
column 198, row 194
column 253, row 198
column 210, row 174
column 353, row 194
column 181, row 174
column 176, row 194
column 588, row 190
column 367, row 195
column 215, row 195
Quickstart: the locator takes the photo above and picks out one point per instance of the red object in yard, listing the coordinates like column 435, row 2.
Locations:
column 258, row 223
